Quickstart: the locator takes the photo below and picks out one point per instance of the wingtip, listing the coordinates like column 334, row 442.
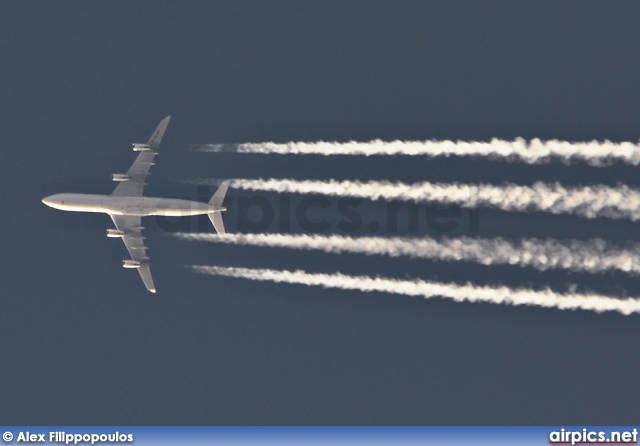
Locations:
column 153, row 290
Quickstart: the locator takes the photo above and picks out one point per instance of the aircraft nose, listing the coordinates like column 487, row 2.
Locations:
column 49, row 201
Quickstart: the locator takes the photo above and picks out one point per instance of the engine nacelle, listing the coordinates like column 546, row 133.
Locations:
column 120, row 177
column 114, row 233
column 130, row 263
column 138, row 147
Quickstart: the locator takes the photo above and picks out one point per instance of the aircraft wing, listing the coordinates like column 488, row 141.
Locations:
column 139, row 170
column 134, row 242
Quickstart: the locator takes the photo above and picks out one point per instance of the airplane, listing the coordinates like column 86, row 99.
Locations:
column 126, row 205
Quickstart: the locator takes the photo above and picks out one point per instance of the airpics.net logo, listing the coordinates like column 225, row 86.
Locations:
column 587, row 436
column 317, row 214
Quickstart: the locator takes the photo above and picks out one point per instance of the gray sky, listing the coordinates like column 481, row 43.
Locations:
column 82, row 342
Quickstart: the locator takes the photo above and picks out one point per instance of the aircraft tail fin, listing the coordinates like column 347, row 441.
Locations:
column 216, row 200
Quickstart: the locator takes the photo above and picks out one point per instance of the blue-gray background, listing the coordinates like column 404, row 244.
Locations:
column 81, row 341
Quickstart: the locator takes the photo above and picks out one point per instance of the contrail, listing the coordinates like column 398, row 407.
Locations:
column 595, row 153
column 593, row 256
column 586, row 201
column 459, row 293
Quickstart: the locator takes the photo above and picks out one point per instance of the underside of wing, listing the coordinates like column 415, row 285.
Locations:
column 133, row 182
column 134, row 241
column 156, row 137
column 136, row 176
column 145, row 273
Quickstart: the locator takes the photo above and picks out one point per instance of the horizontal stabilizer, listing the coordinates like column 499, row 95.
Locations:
column 216, row 219
column 218, row 197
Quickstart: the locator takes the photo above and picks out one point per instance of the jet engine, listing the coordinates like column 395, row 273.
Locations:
column 114, row 233
column 130, row 263
column 120, row 177
column 138, row 147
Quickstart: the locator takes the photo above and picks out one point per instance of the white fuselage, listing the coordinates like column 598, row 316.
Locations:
column 138, row 206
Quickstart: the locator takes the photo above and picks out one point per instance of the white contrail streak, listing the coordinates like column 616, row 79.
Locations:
column 593, row 256
column 595, row 153
column 586, row 201
column 459, row 293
